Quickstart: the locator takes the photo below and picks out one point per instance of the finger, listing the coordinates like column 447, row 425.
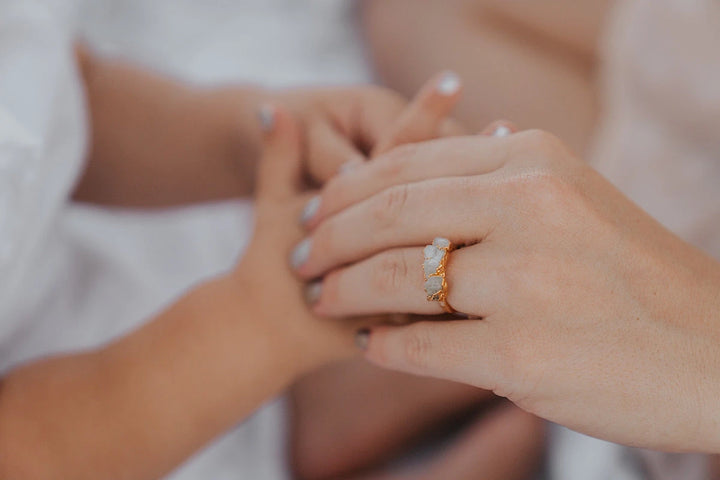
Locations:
column 280, row 167
column 404, row 215
column 328, row 150
column 423, row 117
column 450, row 157
column 462, row 350
column 393, row 281
column 500, row 128
column 505, row 444
column 451, row 128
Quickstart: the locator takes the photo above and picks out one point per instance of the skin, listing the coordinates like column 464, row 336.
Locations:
column 157, row 142
column 380, row 414
column 533, row 62
column 91, row 403
column 564, row 35
column 587, row 303
column 121, row 411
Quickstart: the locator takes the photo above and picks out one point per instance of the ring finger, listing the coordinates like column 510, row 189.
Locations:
column 393, row 282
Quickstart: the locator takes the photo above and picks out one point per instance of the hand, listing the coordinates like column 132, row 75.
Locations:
column 344, row 125
column 300, row 339
column 593, row 315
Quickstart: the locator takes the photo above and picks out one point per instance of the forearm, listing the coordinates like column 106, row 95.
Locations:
column 158, row 142
column 513, row 73
column 136, row 409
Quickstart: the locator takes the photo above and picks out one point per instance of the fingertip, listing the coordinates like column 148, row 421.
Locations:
column 447, row 83
column 280, row 167
column 500, row 128
column 266, row 117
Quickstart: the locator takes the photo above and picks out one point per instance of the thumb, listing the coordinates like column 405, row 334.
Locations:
column 280, row 167
column 462, row 351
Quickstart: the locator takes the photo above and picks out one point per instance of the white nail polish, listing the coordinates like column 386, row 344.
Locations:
column 312, row 293
column 449, row 84
column 266, row 117
column 310, row 210
column 301, row 253
column 501, row 131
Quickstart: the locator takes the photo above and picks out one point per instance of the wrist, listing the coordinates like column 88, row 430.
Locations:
column 235, row 300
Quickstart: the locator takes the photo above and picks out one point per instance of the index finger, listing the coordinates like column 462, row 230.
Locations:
column 426, row 115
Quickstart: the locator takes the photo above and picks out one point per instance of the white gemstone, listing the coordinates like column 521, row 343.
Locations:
column 433, row 285
column 431, row 251
column 440, row 242
column 431, row 265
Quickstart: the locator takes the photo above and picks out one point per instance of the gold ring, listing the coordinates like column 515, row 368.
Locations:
column 437, row 255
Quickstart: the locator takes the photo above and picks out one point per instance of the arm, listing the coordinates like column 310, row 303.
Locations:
column 517, row 59
column 139, row 406
column 157, row 142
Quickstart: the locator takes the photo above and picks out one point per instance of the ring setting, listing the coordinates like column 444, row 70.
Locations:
column 437, row 255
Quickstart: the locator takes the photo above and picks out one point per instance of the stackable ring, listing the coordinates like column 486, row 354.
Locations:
column 437, row 255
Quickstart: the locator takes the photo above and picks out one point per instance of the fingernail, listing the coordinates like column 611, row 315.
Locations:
column 266, row 117
column 301, row 253
column 310, row 210
column 312, row 292
column 349, row 166
column 448, row 84
column 501, row 131
column 362, row 338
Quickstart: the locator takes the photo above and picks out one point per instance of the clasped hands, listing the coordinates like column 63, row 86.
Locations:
column 577, row 294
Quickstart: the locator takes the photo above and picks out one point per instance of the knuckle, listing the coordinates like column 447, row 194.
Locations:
column 333, row 192
column 418, row 347
column 324, row 237
column 389, row 205
column 393, row 163
column 539, row 140
column 391, row 273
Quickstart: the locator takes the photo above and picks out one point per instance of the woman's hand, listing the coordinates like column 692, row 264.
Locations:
column 593, row 315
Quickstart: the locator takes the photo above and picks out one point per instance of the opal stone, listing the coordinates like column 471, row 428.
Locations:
column 433, row 285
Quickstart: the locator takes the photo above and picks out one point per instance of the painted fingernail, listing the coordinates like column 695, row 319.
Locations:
column 310, row 210
column 501, row 131
column 349, row 166
column 362, row 338
column 266, row 117
column 312, row 292
column 448, row 84
column 301, row 253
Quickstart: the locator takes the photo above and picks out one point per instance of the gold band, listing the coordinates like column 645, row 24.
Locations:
column 434, row 268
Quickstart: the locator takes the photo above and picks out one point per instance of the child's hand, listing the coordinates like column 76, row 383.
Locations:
column 344, row 126
column 263, row 277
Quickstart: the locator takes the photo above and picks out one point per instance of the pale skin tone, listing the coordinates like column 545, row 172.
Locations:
column 554, row 44
column 139, row 406
column 380, row 414
column 157, row 142
column 592, row 314
column 531, row 61
column 76, row 411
